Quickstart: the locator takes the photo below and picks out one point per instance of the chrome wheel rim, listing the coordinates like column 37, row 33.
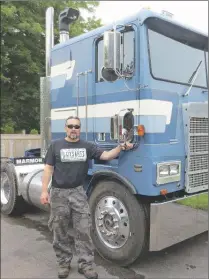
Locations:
column 5, row 188
column 112, row 222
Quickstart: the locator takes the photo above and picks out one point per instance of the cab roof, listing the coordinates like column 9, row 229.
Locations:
column 141, row 16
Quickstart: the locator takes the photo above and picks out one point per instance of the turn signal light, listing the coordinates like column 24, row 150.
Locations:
column 164, row 192
column 141, row 130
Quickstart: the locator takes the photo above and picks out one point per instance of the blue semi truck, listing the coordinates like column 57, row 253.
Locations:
column 143, row 79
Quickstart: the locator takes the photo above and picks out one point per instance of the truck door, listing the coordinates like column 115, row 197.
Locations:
column 113, row 97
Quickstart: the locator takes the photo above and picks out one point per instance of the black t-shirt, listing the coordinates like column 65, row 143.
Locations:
column 70, row 161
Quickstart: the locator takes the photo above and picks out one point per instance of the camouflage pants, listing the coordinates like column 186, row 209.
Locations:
column 70, row 222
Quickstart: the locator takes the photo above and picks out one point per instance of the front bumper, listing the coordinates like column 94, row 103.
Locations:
column 177, row 220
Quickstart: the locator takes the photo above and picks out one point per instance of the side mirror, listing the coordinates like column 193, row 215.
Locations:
column 111, row 52
column 114, row 127
column 126, row 125
column 122, row 126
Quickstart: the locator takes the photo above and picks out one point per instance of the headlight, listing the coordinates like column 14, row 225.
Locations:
column 174, row 169
column 164, row 171
column 168, row 172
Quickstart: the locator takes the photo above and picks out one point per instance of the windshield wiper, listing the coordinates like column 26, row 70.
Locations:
column 193, row 78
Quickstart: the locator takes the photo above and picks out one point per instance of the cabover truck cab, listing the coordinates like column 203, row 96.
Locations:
column 144, row 80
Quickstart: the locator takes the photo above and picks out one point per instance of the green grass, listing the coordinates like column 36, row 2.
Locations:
column 198, row 203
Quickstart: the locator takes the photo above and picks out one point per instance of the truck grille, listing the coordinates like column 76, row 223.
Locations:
column 198, row 144
column 197, row 154
column 198, row 180
column 198, row 125
column 198, row 162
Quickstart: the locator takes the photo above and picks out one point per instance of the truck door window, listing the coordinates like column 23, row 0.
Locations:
column 127, row 54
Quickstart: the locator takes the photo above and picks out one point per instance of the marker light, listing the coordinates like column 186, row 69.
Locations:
column 141, row 130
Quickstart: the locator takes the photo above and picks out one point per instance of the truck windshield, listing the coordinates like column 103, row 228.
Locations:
column 172, row 60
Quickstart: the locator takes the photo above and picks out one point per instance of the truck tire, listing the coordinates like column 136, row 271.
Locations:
column 120, row 227
column 11, row 203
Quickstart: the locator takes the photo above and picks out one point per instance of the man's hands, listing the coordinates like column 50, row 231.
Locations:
column 127, row 146
column 44, row 197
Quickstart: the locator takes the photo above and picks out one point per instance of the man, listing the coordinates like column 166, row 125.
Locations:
column 67, row 163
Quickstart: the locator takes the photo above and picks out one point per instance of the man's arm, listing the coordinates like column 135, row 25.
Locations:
column 48, row 171
column 112, row 154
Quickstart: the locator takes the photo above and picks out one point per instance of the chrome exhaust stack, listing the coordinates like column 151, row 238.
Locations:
column 49, row 39
column 66, row 17
column 45, row 102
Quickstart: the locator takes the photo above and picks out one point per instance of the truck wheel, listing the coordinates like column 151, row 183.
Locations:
column 119, row 223
column 11, row 203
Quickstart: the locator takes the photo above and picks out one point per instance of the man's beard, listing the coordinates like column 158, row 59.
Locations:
column 73, row 136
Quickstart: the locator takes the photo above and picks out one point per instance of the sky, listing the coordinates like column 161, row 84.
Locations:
column 193, row 13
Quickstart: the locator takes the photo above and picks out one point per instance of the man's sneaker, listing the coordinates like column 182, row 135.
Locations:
column 88, row 272
column 63, row 271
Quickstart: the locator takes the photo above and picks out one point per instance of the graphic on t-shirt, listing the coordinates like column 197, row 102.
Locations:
column 73, row 155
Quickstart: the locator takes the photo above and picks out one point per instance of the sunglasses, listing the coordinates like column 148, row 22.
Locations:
column 73, row 126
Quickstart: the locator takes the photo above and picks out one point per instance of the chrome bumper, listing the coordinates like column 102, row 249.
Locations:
column 172, row 222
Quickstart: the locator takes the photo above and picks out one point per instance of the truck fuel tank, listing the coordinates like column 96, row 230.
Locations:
column 31, row 189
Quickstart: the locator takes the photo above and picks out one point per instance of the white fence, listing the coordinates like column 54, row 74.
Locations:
column 15, row 145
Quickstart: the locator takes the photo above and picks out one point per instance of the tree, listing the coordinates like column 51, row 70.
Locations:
column 23, row 55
